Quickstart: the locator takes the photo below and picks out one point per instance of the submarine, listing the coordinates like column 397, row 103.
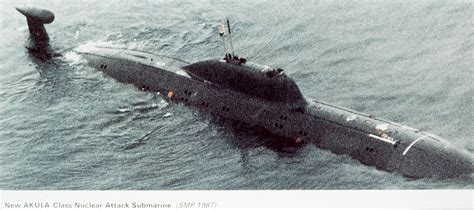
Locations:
column 266, row 98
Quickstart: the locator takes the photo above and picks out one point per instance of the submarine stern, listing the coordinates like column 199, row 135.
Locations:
column 36, row 18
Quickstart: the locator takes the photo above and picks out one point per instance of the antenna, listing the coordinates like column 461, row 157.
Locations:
column 221, row 30
column 230, row 38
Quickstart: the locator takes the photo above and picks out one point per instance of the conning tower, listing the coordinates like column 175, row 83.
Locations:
column 253, row 79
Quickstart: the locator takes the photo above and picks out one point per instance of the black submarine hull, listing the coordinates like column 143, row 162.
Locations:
column 375, row 142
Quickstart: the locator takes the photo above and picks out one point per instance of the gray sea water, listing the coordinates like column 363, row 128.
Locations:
column 66, row 126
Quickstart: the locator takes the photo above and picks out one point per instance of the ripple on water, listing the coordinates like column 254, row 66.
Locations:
column 67, row 126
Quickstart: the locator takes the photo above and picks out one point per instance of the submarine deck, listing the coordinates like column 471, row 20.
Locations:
column 162, row 62
column 364, row 122
column 327, row 112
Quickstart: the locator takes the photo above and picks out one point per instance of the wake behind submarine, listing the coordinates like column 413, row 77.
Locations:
column 261, row 96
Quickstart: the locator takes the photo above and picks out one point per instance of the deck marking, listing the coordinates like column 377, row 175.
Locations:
column 351, row 118
column 382, row 127
column 413, row 143
column 382, row 139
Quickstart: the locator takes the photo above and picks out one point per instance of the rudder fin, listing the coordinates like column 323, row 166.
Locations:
column 36, row 18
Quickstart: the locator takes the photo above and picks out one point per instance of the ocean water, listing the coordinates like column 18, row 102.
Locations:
column 66, row 126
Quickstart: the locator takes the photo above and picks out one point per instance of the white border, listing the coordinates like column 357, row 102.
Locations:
column 342, row 199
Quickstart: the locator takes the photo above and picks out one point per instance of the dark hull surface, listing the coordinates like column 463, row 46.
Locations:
column 372, row 141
